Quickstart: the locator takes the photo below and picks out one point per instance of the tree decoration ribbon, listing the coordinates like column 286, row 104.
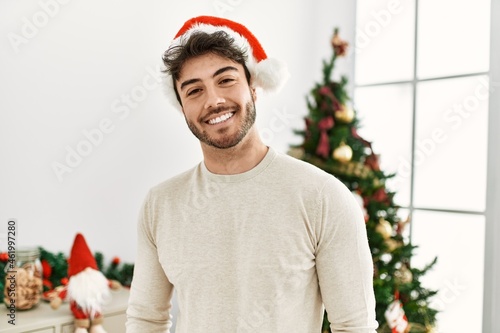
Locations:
column 327, row 92
column 355, row 134
column 372, row 162
column 324, row 125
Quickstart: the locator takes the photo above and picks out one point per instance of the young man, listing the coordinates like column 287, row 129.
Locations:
column 252, row 240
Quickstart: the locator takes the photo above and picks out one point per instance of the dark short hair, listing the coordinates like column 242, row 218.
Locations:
column 201, row 43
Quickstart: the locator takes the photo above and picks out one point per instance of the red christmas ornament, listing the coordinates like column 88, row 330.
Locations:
column 115, row 261
column 4, row 256
column 64, row 281
column 380, row 195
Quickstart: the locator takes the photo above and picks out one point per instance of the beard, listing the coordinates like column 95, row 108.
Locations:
column 227, row 141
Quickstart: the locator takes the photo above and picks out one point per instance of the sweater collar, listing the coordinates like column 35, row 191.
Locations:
column 268, row 158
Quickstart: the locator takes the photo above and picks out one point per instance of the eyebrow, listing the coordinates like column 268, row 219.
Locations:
column 217, row 72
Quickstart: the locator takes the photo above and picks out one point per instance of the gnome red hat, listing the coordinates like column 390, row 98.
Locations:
column 266, row 73
column 80, row 257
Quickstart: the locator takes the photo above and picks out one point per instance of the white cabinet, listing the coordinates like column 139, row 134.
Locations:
column 43, row 319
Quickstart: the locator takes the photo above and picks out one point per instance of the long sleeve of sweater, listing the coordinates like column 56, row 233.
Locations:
column 151, row 293
column 344, row 263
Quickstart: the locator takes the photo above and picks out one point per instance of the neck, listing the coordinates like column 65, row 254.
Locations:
column 238, row 159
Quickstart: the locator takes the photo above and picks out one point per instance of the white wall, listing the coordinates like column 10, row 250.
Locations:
column 71, row 70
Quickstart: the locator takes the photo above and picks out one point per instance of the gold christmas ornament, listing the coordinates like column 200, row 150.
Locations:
column 384, row 228
column 345, row 114
column 391, row 244
column 430, row 329
column 343, row 153
column 403, row 275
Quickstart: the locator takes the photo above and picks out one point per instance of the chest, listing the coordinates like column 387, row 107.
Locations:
column 230, row 237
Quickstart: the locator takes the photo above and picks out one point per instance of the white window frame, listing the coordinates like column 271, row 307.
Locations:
column 491, row 274
column 491, row 302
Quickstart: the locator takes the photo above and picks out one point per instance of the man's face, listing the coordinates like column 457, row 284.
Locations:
column 217, row 102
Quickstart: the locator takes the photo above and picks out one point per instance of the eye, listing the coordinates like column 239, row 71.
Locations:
column 226, row 80
column 193, row 91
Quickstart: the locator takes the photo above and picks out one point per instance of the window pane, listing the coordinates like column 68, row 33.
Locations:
column 385, row 113
column 458, row 242
column 453, row 37
column 451, row 144
column 384, row 42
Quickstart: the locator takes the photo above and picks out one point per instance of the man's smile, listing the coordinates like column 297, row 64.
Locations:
column 220, row 119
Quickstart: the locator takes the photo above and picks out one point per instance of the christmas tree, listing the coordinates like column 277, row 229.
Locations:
column 332, row 143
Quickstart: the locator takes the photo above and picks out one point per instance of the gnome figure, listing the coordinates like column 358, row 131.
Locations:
column 86, row 290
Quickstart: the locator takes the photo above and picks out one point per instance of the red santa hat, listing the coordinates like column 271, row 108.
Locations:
column 80, row 257
column 266, row 73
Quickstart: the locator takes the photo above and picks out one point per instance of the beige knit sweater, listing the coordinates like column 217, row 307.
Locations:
column 261, row 251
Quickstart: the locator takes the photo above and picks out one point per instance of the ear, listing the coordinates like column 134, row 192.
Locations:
column 253, row 92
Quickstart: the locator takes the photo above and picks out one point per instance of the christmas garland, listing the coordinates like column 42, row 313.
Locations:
column 55, row 269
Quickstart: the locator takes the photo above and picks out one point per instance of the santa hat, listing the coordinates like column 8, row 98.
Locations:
column 266, row 73
column 80, row 257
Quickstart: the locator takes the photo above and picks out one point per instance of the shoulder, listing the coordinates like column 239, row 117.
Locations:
column 174, row 185
column 304, row 176
column 304, row 172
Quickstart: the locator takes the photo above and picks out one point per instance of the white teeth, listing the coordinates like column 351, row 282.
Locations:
column 220, row 119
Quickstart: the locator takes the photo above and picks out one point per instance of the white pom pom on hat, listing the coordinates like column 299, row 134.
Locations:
column 266, row 73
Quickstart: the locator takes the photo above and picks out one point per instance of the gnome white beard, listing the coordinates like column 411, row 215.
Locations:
column 89, row 289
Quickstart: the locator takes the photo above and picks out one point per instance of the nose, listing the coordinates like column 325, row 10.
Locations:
column 213, row 98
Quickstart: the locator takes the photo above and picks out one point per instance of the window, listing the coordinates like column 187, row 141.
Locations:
column 422, row 86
